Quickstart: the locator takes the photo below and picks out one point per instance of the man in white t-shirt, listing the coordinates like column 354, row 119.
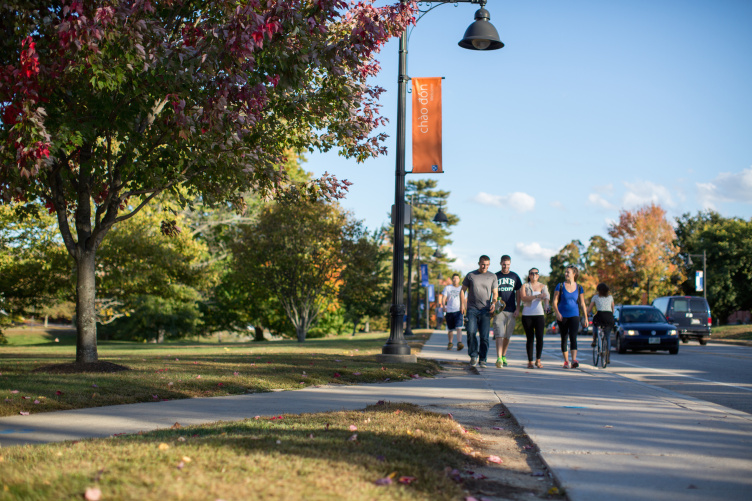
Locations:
column 450, row 300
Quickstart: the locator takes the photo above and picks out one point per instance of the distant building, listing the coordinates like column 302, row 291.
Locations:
column 740, row 317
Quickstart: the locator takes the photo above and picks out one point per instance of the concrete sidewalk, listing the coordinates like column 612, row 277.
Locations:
column 602, row 435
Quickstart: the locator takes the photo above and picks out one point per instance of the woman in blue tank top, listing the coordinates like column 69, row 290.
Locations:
column 569, row 297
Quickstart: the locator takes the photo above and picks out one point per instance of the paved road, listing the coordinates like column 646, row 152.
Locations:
column 716, row 373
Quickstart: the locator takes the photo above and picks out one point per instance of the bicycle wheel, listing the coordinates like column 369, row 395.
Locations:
column 597, row 351
column 603, row 345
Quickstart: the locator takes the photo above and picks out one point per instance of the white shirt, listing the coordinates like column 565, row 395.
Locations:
column 452, row 298
column 536, row 305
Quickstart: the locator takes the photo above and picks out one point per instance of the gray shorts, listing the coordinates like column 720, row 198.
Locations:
column 503, row 324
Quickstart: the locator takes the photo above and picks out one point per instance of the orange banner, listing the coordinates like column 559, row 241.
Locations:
column 427, row 125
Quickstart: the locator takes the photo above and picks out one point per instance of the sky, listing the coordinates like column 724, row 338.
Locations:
column 591, row 108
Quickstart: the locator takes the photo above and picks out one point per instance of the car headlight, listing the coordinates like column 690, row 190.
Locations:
column 672, row 332
column 630, row 333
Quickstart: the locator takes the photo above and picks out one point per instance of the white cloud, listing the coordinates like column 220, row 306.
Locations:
column 517, row 201
column 533, row 251
column 601, row 202
column 558, row 205
column 458, row 263
column 727, row 187
column 645, row 192
column 608, row 189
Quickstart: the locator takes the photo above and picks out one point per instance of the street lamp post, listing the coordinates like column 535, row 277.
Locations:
column 704, row 271
column 480, row 35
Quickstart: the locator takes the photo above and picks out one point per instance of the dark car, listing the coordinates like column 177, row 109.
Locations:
column 644, row 328
column 690, row 315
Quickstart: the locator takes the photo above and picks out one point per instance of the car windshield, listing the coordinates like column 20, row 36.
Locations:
column 641, row 316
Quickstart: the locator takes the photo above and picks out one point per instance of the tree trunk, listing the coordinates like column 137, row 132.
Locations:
column 301, row 331
column 259, row 333
column 86, row 315
column 160, row 338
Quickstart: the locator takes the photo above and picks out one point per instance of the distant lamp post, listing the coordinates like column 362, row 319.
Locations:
column 481, row 35
column 704, row 271
column 440, row 217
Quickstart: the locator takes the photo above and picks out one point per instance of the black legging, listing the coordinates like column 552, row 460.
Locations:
column 533, row 325
column 568, row 327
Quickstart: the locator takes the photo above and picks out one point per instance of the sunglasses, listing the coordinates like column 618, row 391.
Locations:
column 534, row 273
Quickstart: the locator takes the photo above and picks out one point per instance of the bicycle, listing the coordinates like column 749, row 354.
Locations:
column 602, row 348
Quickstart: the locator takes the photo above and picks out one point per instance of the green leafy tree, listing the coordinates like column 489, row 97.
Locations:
column 109, row 101
column 35, row 269
column 727, row 243
column 295, row 254
column 365, row 280
column 146, row 274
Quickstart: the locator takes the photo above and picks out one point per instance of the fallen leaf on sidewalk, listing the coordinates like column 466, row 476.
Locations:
column 24, row 413
column 495, row 459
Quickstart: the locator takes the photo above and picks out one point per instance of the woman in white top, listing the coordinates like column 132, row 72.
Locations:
column 604, row 310
column 534, row 296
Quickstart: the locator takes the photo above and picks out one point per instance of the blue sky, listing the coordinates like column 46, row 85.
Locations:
column 592, row 107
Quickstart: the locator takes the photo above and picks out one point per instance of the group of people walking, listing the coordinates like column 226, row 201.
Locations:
column 488, row 299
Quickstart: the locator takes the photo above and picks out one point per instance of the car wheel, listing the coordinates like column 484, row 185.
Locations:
column 674, row 350
column 703, row 341
column 684, row 339
column 620, row 347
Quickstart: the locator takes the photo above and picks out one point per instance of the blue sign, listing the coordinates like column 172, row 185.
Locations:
column 431, row 296
column 424, row 275
column 699, row 281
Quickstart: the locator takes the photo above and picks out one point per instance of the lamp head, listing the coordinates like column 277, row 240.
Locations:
column 440, row 217
column 481, row 35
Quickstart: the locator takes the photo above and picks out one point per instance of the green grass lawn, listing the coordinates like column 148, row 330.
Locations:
column 743, row 332
column 187, row 369
column 388, row 451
